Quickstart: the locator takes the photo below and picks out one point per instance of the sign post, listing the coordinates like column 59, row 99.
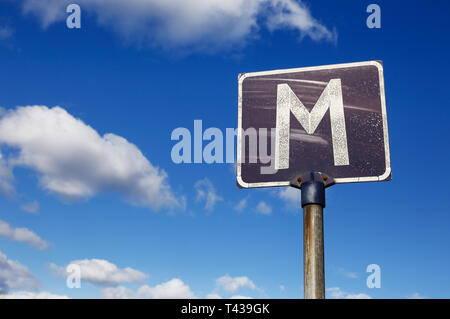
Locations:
column 311, row 128
column 313, row 256
column 312, row 187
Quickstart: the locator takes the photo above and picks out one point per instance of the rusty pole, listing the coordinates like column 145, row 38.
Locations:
column 313, row 255
column 312, row 185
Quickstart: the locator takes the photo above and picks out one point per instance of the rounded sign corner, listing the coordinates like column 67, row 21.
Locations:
column 240, row 182
column 242, row 77
column 378, row 64
column 386, row 176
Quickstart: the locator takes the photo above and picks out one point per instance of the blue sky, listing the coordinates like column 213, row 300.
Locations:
column 141, row 73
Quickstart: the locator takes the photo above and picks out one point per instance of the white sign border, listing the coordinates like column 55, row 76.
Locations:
column 382, row 177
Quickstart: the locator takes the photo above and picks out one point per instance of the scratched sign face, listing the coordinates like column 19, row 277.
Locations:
column 330, row 119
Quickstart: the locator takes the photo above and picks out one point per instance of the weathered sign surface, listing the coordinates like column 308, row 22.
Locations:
column 330, row 119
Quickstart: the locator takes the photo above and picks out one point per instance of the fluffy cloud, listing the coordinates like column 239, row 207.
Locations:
column 198, row 25
column 73, row 161
column 23, row 235
column 14, row 276
column 32, row 207
column 172, row 289
column 295, row 15
column 102, row 272
column 232, row 284
column 32, row 295
column 207, row 193
column 263, row 208
column 337, row 293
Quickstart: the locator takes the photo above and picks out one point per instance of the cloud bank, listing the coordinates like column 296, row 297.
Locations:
column 177, row 289
column 15, row 276
column 197, row 24
column 74, row 162
column 172, row 289
column 102, row 272
column 17, row 282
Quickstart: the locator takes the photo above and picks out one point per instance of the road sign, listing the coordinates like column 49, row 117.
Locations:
column 329, row 119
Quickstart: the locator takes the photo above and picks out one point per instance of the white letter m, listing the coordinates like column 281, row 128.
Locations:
column 331, row 98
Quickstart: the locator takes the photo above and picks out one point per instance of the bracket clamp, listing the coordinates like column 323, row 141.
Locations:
column 313, row 186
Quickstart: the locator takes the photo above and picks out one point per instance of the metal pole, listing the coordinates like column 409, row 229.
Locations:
column 313, row 186
column 313, row 256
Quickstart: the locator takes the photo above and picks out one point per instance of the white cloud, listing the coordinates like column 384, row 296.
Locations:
column 233, row 284
column 17, row 282
column 15, row 276
column 177, row 289
column 73, row 161
column 118, row 293
column 199, row 25
column 32, row 207
column 291, row 196
column 206, row 192
column 357, row 296
column 172, row 289
column 102, row 272
column 337, row 293
column 295, row 15
column 23, row 235
column 214, row 295
column 241, row 205
column 263, row 208
column 32, row 295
